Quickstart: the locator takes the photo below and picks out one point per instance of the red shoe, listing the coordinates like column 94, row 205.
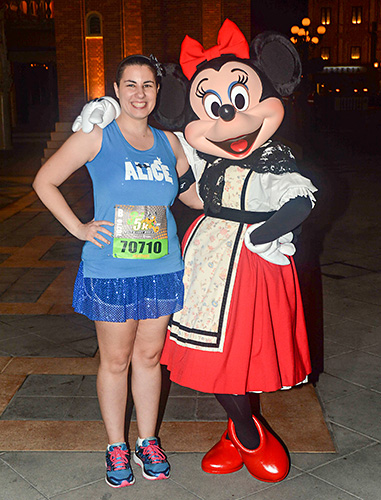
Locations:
column 269, row 462
column 223, row 458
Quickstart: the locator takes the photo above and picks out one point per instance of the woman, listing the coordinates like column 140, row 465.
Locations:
column 129, row 282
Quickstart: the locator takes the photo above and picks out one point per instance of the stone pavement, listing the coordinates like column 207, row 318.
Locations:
column 48, row 355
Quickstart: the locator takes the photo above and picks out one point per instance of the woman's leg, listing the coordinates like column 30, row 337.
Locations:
column 146, row 373
column 238, row 409
column 116, row 341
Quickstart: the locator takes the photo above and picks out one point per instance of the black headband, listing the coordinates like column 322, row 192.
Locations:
column 151, row 60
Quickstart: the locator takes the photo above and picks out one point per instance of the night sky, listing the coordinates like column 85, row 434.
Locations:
column 277, row 15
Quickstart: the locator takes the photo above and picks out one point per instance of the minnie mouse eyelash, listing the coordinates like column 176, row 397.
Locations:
column 200, row 92
column 242, row 79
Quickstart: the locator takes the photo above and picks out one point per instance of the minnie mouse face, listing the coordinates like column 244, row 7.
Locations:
column 228, row 99
column 234, row 119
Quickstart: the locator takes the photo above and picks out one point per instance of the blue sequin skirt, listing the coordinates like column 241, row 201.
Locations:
column 119, row 299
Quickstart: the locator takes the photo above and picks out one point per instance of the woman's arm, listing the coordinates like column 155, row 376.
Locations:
column 190, row 197
column 75, row 152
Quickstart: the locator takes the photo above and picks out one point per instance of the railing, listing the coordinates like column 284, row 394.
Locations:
column 27, row 9
column 351, row 103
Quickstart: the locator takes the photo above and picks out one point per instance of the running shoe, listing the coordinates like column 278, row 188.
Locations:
column 118, row 467
column 152, row 460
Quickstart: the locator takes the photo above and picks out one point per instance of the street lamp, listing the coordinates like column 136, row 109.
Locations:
column 304, row 38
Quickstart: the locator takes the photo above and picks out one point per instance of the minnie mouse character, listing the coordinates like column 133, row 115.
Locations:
column 242, row 328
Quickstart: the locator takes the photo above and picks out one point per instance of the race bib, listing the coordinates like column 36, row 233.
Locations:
column 140, row 232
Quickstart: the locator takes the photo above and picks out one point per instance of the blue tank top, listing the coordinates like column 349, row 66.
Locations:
column 123, row 175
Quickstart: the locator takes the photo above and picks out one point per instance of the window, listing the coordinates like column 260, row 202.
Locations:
column 33, row 8
column 23, row 7
column 325, row 53
column 356, row 15
column 94, row 56
column 94, row 25
column 355, row 53
column 326, row 15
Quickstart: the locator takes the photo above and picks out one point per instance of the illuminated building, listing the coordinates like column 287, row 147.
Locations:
column 92, row 36
column 350, row 49
column 353, row 33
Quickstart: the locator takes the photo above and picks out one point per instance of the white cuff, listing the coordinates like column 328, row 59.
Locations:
column 273, row 251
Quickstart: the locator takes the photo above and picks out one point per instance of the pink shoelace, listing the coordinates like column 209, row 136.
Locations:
column 119, row 458
column 154, row 453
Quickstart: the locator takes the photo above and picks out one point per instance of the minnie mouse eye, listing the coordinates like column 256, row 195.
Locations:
column 239, row 97
column 212, row 104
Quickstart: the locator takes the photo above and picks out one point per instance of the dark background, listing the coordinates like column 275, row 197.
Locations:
column 277, row 15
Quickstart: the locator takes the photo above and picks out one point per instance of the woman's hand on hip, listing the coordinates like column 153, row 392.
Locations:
column 92, row 231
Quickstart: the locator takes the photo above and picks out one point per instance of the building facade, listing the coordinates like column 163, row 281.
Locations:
column 350, row 51
column 28, row 83
column 66, row 51
column 353, row 35
column 92, row 36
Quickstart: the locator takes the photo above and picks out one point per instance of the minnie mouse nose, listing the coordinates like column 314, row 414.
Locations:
column 227, row 112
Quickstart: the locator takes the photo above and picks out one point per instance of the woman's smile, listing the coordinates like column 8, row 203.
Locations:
column 139, row 104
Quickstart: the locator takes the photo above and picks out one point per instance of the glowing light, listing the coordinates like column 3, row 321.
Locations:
column 315, row 39
column 95, row 67
column 356, row 15
column 376, row 64
column 294, row 39
column 23, row 7
column 295, row 30
column 326, row 15
column 337, row 90
column 365, row 90
column 355, row 53
column 355, row 90
column 321, row 30
column 325, row 53
column 301, row 32
column 306, row 21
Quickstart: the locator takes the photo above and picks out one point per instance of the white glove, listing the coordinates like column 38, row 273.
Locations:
column 273, row 251
column 100, row 111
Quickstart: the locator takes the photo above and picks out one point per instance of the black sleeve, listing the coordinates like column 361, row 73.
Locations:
column 286, row 219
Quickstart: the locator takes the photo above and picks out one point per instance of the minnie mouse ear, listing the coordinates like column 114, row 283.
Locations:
column 277, row 57
column 172, row 107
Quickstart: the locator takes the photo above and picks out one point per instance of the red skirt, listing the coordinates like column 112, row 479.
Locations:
column 266, row 345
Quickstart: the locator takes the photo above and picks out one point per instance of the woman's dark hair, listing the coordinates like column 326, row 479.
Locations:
column 140, row 60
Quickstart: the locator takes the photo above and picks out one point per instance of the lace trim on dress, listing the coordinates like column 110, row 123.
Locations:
column 273, row 157
column 295, row 192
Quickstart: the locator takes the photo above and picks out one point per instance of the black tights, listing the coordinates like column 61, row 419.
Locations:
column 238, row 409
